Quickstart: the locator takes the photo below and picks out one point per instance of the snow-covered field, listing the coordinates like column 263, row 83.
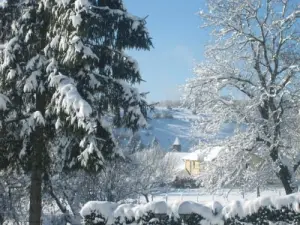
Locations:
column 224, row 196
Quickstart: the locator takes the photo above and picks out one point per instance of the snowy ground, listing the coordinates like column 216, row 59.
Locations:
column 223, row 196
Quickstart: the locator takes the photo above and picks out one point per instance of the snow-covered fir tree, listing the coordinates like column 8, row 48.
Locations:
column 65, row 82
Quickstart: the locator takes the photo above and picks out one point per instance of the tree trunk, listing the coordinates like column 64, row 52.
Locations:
column 38, row 148
column 146, row 197
column 286, row 179
column 257, row 191
column 35, row 209
column 284, row 173
column 37, row 165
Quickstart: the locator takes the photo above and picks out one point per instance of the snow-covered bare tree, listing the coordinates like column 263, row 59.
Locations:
column 251, row 79
column 110, row 184
column 63, row 72
column 150, row 171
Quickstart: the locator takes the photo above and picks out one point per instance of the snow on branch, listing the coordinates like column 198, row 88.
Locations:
column 8, row 50
column 29, row 124
column 133, row 97
column 247, row 90
column 3, row 102
column 67, row 99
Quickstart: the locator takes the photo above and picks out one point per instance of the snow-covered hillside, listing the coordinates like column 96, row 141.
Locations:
column 167, row 124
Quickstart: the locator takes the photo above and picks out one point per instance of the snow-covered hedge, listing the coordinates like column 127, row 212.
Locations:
column 258, row 211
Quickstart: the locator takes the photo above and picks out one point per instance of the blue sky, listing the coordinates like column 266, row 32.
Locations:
column 178, row 41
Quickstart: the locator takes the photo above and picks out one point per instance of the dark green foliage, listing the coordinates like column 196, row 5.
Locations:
column 127, row 221
column 95, row 219
column 174, row 220
column 66, row 83
column 192, row 218
column 264, row 215
column 90, row 54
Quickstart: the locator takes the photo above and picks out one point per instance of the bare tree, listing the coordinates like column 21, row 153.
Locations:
column 251, row 82
column 151, row 170
column 111, row 184
column 138, row 173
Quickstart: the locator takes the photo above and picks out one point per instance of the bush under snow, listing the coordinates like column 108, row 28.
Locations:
column 263, row 210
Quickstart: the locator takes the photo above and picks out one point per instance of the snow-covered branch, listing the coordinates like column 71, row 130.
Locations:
column 250, row 82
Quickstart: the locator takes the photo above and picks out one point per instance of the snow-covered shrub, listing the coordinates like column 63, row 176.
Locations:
column 124, row 214
column 262, row 210
column 195, row 213
column 185, row 182
column 147, row 214
column 98, row 212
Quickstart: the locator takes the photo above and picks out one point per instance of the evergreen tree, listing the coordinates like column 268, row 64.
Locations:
column 63, row 74
column 154, row 143
column 8, row 12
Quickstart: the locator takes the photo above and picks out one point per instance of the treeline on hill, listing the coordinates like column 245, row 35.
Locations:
column 169, row 103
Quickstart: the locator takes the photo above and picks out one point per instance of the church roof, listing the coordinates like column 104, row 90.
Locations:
column 176, row 142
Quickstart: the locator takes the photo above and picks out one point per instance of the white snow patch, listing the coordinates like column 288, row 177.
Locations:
column 194, row 156
column 135, row 25
column 105, row 209
column 67, row 97
column 206, row 154
column 124, row 211
column 12, row 73
column 76, row 20
column 241, row 209
column 3, row 102
column 189, row 207
column 156, row 207
column 62, row 2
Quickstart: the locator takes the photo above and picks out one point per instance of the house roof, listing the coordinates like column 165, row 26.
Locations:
column 207, row 154
column 196, row 155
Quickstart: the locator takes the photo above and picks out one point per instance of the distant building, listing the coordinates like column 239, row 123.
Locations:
column 196, row 161
column 191, row 163
column 176, row 145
